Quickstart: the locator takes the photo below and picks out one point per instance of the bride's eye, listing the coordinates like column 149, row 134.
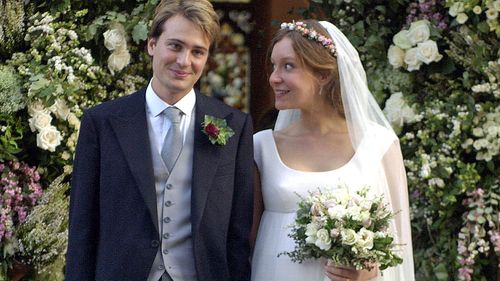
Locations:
column 288, row 66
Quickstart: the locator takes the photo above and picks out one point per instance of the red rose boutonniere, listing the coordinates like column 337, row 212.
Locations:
column 217, row 130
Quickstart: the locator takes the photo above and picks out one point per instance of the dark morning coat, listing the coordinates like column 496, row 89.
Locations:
column 113, row 232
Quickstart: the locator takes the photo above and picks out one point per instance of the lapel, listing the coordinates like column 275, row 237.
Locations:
column 131, row 129
column 206, row 156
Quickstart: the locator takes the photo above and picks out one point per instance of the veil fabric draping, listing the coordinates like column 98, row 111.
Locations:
column 363, row 116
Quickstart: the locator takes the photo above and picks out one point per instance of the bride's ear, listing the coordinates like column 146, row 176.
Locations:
column 324, row 77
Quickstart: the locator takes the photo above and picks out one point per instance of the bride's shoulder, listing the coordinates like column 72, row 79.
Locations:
column 381, row 133
column 262, row 137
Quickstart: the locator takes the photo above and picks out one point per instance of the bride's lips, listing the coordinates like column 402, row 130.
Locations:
column 281, row 92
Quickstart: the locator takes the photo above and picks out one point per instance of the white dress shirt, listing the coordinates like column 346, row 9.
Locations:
column 159, row 122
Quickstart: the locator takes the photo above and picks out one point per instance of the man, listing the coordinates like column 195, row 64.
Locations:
column 142, row 210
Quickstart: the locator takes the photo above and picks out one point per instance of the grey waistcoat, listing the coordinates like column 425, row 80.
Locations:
column 173, row 197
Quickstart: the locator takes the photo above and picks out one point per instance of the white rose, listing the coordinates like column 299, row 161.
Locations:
column 324, row 242
column 419, row 32
column 60, row 109
column 462, row 18
column 336, row 212
column 456, row 8
column 118, row 60
column 492, row 14
column 40, row 120
column 411, row 60
column 74, row 121
column 35, row 107
column 397, row 110
column 401, row 40
column 365, row 239
column 65, row 155
column 311, row 230
column 477, row 10
column 114, row 39
column 396, row 56
column 496, row 5
column 48, row 138
column 349, row 236
column 428, row 52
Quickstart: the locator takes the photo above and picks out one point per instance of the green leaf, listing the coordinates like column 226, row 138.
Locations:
column 483, row 27
column 140, row 32
column 440, row 272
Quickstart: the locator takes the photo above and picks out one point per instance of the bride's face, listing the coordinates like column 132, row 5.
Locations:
column 293, row 83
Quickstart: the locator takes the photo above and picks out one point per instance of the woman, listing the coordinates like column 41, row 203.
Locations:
column 329, row 130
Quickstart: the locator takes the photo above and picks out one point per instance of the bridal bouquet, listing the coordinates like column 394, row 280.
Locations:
column 351, row 229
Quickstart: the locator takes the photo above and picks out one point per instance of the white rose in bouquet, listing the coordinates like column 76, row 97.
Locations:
column 118, row 60
column 344, row 239
column 419, row 32
column 365, row 240
column 348, row 236
column 311, row 231
column 48, row 138
column 396, row 56
column 411, row 60
column 40, row 120
column 323, row 242
column 428, row 52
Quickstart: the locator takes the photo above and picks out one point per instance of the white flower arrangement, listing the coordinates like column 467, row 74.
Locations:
column 115, row 40
column 349, row 228
column 398, row 111
column 413, row 47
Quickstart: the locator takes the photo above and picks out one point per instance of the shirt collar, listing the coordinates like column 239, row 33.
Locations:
column 156, row 105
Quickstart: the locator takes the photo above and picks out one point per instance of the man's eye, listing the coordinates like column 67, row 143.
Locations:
column 174, row 46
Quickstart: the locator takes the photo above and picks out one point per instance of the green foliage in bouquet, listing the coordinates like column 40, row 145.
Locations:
column 351, row 229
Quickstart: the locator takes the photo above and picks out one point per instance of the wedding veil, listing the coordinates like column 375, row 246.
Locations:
column 363, row 117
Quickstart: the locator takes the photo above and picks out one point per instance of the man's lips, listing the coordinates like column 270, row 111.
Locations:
column 180, row 73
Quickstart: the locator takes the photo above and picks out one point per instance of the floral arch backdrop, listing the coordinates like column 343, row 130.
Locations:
column 433, row 65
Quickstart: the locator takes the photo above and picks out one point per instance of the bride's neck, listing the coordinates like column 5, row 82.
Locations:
column 322, row 122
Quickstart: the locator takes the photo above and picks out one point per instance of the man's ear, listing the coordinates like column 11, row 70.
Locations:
column 151, row 45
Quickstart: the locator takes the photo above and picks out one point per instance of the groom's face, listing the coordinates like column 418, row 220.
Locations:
column 179, row 55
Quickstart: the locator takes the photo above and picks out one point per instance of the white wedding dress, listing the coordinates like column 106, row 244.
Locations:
column 281, row 187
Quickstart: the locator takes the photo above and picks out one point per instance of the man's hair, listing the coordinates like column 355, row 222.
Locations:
column 316, row 58
column 200, row 12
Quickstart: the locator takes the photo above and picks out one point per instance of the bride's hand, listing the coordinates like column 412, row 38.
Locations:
column 339, row 273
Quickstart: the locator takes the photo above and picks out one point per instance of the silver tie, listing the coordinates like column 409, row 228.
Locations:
column 172, row 145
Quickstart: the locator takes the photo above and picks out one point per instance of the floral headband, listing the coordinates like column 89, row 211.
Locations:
column 311, row 34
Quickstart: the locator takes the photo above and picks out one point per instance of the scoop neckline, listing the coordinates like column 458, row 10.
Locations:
column 275, row 147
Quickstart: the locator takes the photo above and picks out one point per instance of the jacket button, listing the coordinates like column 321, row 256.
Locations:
column 155, row 243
